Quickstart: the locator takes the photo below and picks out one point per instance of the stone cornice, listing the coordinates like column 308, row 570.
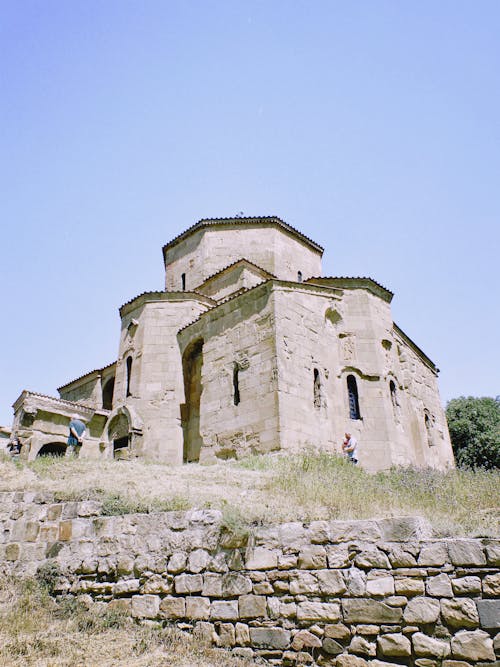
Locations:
column 406, row 339
column 33, row 400
column 345, row 282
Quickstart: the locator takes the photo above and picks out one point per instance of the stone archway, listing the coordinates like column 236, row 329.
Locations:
column 192, row 362
column 52, row 449
column 119, row 435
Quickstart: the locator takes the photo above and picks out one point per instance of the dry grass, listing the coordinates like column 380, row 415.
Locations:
column 35, row 631
column 273, row 488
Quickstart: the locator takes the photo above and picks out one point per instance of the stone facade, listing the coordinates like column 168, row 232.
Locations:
column 328, row 593
column 248, row 350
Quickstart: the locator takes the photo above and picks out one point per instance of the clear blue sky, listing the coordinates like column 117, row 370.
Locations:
column 373, row 127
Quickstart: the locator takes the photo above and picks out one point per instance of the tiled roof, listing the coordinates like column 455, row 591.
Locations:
column 346, row 279
column 56, row 399
column 250, row 221
column 238, row 261
column 163, row 293
column 96, row 370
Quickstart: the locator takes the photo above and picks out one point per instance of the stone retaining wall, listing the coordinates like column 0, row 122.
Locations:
column 331, row 593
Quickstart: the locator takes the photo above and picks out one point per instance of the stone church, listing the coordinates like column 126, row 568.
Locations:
column 249, row 349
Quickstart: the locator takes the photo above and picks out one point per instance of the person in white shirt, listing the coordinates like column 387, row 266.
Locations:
column 350, row 448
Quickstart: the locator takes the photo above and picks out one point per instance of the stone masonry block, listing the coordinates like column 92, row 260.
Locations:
column 173, row 608
column 460, row 613
column 421, row 611
column 222, row 610
column 394, row 645
column 197, row 608
column 423, row 645
column 331, row 582
column 312, row 558
column 370, row 611
column 466, row 552
column 489, row 613
column 261, row 558
column 433, row 554
column 476, row 645
column 145, row 606
column 270, row 638
column 252, row 606
column 188, row 583
column 318, row 611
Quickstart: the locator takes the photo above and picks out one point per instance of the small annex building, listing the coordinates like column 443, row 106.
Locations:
column 249, row 349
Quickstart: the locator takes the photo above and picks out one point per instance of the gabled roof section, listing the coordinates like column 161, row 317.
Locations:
column 165, row 296
column 243, row 222
column 420, row 353
column 96, row 371
column 240, row 262
column 54, row 401
column 345, row 282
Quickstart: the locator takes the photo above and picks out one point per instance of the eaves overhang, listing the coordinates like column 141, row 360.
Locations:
column 269, row 221
column 346, row 282
column 148, row 297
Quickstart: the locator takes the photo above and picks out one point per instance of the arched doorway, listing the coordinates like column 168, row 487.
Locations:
column 192, row 363
column 119, row 435
column 52, row 449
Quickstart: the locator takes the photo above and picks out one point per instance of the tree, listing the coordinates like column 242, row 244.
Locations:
column 474, row 425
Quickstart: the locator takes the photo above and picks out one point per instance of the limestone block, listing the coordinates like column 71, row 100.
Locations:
column 204, row 633
column 126, row 586
column 489, row 613
column 356, row 582
column 227, row 635
column 476, row 645
column 65, row 530
column 457, row 663
column 54, row 512
column 466, row 552
column 405, row 529
column 305, row 639
column 380, row 586
column 177, row 562
column 491, row 585
column 234, row 584
column 332, row 647
column 218, row 564
column 496, row 643
column 421, row 611
column 370, row 611
column 423, row 645
column 188, row 583
column 145, row 606
column 439, row 586
column 242, row 634
column 350, row 531
column 235, row 561
column 319, row 532
column 252, row 606
column 331, row 582
column 287, row 561
column 433, row 554
column 31, row 531
column 287, row 609
column 303, row 583
column 198, row 561
column 409, row 586
column 466, row 586
column 290, row 535
column 318, row 611
column 222, row 610
column 88, row 508
column 272, row 638
column 493, row 554
column 350, row 661
column 157, row 584
column 399, row 557
column 367, row 629
column 394, row 645
column 312, row 558
column 12, row 551
column 173, row 608
column 273, row 607
column 338, row 556
column 265, row 588
column 261, row 558
column 197, row 608
column 338, row 631
column 460, row 613
column 361, row 646
column 372, row 558
column 124, row 565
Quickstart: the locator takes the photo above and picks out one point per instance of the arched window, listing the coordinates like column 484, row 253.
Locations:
column 183, row 282
column 299, row 276
column 352, row 393
column 428, row 429
column 394, row 400
column 317, row 388
column 236, row 384
column 107, row 394
column 129, row 375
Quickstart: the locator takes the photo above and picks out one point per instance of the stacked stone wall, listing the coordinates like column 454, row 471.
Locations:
column 333, row 593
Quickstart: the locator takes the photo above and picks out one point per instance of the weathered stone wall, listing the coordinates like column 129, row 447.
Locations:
column 332, row 593
column 209, row 250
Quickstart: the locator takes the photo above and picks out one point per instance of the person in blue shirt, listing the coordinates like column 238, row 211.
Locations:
column 75, row 438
